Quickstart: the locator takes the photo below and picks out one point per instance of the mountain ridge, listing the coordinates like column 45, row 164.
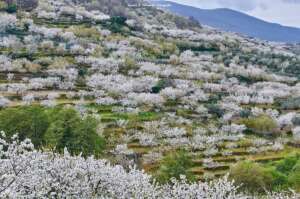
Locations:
column 234, row 21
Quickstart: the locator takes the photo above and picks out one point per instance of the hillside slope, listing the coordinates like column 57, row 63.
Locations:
column 149, row 83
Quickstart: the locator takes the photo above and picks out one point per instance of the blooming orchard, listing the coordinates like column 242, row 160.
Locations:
column 26, row 172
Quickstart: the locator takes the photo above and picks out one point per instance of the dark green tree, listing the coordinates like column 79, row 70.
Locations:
column 69, row 130
column 27, row 122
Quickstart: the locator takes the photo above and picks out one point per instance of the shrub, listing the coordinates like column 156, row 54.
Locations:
column 294, row 177
column 168, row 48
column 252, row 176
column 129, row 64
column 117, row 23
column 286, row 165
column 3, row 5
column 245, row 113
column 296, row 120
column 262, row 124
column 292, row 103
column 82, row 31
column 175, row 165
column 277, row 176
column 161, row 84
column 215, row 109
column 11, row 8
column 185, row 45
column 214, row 99
column 279, row 180
column 296, row 134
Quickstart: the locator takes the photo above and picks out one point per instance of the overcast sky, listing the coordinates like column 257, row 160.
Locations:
column 285, row 12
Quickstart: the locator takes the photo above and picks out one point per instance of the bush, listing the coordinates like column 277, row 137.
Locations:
column 12, row 8
column 215, row 110
column 168, row 48
column 161, row 84
column 3, row 6
column 296, row 134
column 294, row 177
column 129, row 64
column 200, row 47
column 83, row 31
column 279, row 180
column 252, row 177
column 280, row 175
column 262, row 124
column 286, row 165
column 296, row 120
column 175, row 165
column 292, row 103
column 245, row 113
column 116, row 24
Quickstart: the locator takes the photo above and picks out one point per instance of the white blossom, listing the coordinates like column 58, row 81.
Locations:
column 28, row 99
column 296, row 133
column 3, row 102
column 28, row 173
column 7, row 21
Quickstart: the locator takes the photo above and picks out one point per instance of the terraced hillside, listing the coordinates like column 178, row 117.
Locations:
column 158, row 83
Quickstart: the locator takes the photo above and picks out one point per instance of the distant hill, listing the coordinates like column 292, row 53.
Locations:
column 234, row 21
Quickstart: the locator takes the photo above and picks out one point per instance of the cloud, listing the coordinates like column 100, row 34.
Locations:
column 292, row 1
column 285, row 12
column 209, row 4
column 238, row 4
